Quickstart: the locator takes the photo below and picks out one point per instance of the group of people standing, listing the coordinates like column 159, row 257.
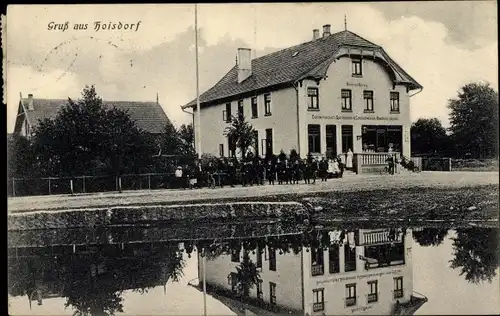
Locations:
column 255, row 170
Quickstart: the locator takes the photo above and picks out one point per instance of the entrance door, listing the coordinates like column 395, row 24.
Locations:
column 331, row 141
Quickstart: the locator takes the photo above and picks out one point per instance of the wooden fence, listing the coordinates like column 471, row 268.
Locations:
column 91, row 184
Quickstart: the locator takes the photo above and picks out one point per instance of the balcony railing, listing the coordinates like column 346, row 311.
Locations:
column 377, row 237
column 398, row 293
column 376, row 158
column 372, row 297
column 318, row 307
column 317, row 269
column 350, row 301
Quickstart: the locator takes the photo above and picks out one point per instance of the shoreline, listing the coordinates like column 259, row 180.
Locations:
column 424, row 180
column 448, row 205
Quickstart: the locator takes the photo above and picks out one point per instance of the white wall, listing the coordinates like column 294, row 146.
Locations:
column 287, row 277
column 339, row 76
column 334, row 284
column 283, row 121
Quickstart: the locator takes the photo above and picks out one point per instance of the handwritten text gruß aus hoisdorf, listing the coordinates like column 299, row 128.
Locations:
column 95, row 26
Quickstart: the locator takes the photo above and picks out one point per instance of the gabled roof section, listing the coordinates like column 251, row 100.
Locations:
column 148, row 116
column 310, row 59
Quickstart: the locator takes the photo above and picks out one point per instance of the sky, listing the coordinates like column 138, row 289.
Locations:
column 443, row 45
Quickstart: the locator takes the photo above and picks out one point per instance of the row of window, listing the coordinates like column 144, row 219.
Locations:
column 227, row 114
column 270, row 255
column 346, row 100
column 266, row 144
column 314, row 138
column 351, row 297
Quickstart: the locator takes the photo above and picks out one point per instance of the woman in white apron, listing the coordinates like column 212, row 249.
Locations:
column 348, row 163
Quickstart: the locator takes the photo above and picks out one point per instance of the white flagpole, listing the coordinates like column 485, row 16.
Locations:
column 204, row 284
column 198, row 115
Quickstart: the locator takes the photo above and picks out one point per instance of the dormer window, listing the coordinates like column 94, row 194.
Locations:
column 357, row 70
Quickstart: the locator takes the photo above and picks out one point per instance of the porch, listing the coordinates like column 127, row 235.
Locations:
column 375, row 162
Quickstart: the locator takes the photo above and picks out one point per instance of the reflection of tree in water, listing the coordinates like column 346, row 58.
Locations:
column 430, row 236
column 94, row 282
column 476, row 254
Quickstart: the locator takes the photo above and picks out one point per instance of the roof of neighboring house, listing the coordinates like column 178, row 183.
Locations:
column 306, row 60
column 148, row 116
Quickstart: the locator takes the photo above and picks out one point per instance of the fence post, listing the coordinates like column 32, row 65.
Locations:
column 71, row 186
column 83, row 184
column 13, row 186
column 120, row 184
column 50, row 192
column 449, row 164
column 149, row 181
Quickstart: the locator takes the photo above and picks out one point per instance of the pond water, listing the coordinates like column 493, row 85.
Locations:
column 303, row 270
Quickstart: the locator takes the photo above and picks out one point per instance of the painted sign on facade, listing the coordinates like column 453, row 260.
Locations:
column 356, row 84
column 354, row 117
column 358, row 277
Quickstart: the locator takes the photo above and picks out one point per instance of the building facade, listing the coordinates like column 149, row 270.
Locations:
column 367, row 272
column 324, row 97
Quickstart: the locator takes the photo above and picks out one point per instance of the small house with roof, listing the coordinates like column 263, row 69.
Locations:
column 333, row 93
column 148, row 116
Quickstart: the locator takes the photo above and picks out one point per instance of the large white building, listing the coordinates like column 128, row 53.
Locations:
column 365, row 273
column 334, row 93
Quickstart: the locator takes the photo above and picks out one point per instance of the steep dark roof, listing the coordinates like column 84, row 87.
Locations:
column 148, row 116
column 292, row 64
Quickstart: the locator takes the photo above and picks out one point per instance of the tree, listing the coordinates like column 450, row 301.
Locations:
column 474, row 120
column 430, row 236
column 428, row 136
column 186, row 136
column 476, row 253
column 247, row 276
column 241, row 133
column 20, row 157
column 87, row 137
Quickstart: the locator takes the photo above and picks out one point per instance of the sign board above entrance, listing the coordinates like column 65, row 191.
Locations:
column 354, row 117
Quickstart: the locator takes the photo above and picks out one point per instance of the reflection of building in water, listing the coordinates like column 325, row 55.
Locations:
column 361, row 272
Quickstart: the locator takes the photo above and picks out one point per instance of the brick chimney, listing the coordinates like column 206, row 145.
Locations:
column 315, row 34
column 326, row 30
column 244, row 63
column 30, row 102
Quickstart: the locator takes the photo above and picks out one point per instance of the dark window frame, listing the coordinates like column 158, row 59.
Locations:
column 398, row 287
column 350, row 298
column 235, row 255
column 373, row 293
column 334, row 262
column 259, row 258
column 317, row 261
column 313, row 98
column 318, row 300
column 346, row 100
column 357, row 67
column 221, row 150
column 269, row 141
column 272, row 293
column 241, row 108
column 260, row 290
column 347, row 138
column 394, row 101
column 255, row 107
column 368, row 99
column 228, row 112
column 314, row 138
column 267, row 104
column 272, row 259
